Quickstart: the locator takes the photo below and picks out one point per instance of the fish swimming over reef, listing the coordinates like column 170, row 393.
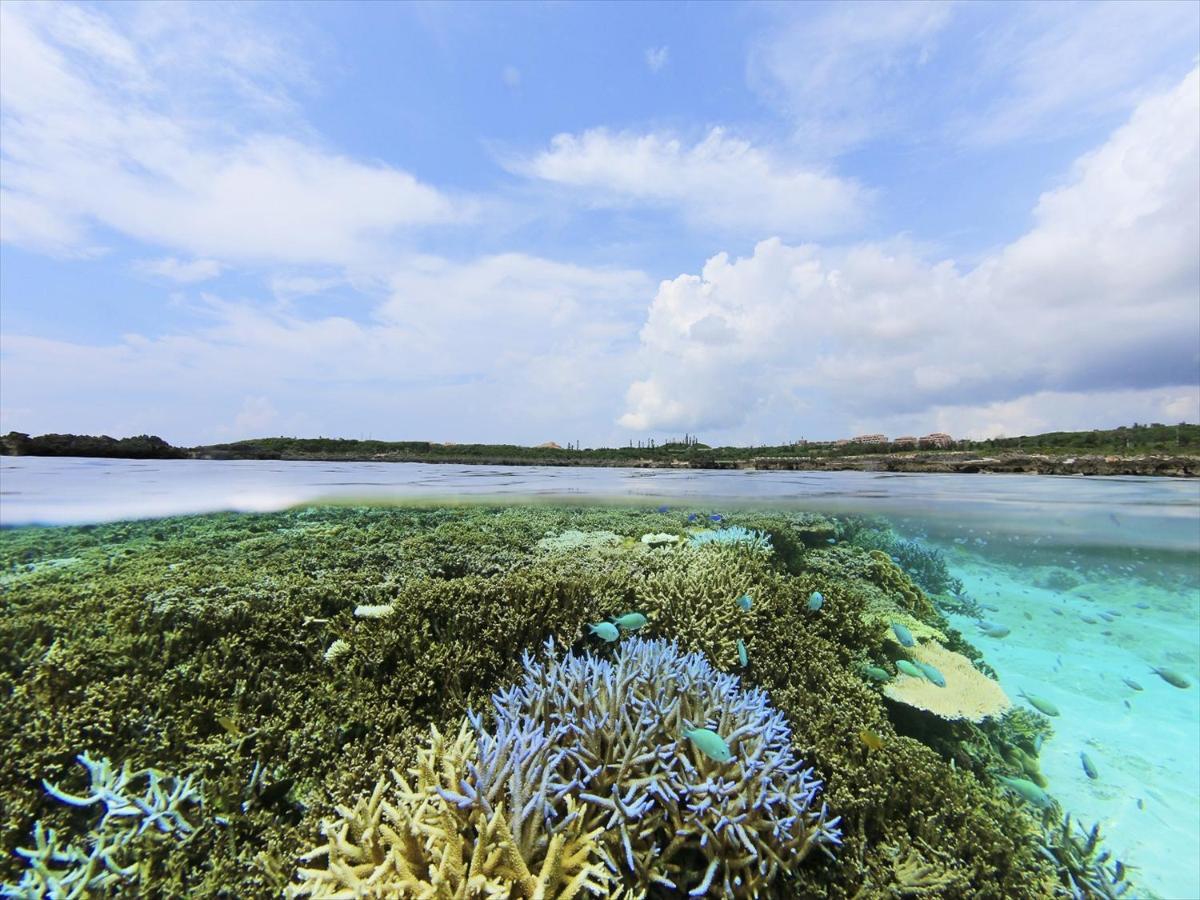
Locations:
column 1041, row 704
column 871, row 740
column 743, row 658
column 1028, row 791
column 606, row 631
column 876, row 673
column 815, row 601
column 709, row 743
column 631, row 621
column 1171, row 677
column 991, row 629
column 903, row 635
column 745, row 602
column 1133, row 685
column 908, row 668
column 932, row 674
column 1089, row 767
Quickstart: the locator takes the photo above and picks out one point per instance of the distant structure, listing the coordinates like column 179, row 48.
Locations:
column 906, row 441
column 869, row 439
column 936, row 439
column 549, row 445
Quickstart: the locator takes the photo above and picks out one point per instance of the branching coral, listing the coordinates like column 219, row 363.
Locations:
column 57, row 871
column 408, row 840
column 733, row 534
column 611, row 734
column 967, row 694
column 1084, row 872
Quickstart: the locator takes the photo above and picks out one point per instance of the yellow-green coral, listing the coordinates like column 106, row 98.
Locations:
column 407, row 840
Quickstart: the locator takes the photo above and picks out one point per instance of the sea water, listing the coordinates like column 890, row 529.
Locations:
column 1096, row 579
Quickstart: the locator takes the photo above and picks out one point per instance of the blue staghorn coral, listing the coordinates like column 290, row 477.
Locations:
column 734, row 534
column 611, row 734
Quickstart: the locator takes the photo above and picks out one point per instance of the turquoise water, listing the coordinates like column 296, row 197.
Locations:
column 1096, row 581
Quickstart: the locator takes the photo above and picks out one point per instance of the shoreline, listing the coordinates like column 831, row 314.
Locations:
column 955, row 462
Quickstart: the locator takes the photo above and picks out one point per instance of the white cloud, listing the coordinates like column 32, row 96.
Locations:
column 721, row 183
column 841, row 75
column 1102, row 295
column 183, row 271
column 656, row 57
column 966, row 73
column 92, row 135
column 499, row 346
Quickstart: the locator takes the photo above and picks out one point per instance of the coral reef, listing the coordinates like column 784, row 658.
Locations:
column 196, row 644
column 408, row 840
column 612, row 734
column 732, row 534
column 55, row 870
column 1084, row 870
column 967, row 693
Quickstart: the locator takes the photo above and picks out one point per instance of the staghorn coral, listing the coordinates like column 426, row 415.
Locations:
column 1083, row 870
column 733, row 534
column 968, row 693
column 409, row 840
column 69, row 871
column 611, row 735
column 692, row 598
column 575, row 541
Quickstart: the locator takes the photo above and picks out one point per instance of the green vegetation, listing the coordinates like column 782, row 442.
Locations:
column 205, row 647
column 1181, row 440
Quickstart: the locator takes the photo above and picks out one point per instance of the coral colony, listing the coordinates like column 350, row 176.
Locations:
column 54, row 870
column 684, row 779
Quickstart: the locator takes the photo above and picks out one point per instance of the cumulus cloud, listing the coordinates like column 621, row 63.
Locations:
column 720, row 183
column 498, row 345
column 1101, row 295
column 93, row 135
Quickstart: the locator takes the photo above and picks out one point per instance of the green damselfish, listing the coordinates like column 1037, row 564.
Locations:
column 631, row 621
column 710, row 743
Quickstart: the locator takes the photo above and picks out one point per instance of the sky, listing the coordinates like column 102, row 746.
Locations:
column 598, row 222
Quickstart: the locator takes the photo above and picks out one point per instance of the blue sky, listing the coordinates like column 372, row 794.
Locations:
column 598, row 222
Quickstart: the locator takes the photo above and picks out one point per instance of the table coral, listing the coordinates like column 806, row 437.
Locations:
column 967, row 694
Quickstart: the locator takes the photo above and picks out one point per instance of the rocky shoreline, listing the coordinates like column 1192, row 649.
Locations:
column 937, row 463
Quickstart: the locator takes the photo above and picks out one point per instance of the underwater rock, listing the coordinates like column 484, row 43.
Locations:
column 967, row 694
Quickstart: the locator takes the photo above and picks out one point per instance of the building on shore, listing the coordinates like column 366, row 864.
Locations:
column 907, row 441
column 936, row 439
column 869, row 439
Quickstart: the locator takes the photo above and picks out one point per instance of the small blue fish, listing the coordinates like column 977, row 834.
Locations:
column 692, row 517
column 745, row 602
column 932, row 674
column 716, row 517
column 1089, row 767
column 606, row 631
column 663, row 509
column 903, row 635
column 710, row 743
column 631, row 621
column 908, row 668
column 815, row 601
column 831, row 540
column 743, row 659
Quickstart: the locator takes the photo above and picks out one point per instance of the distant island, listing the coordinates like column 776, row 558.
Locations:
column 1154, row 449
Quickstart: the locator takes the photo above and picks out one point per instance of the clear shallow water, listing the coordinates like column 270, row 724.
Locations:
column 1046, row 554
